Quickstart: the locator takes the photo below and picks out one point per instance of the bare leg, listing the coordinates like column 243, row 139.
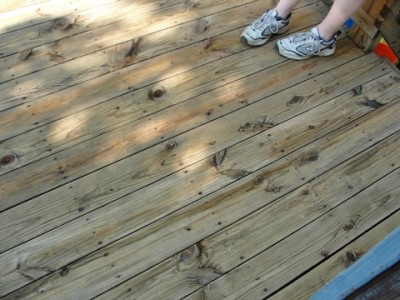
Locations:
column 285, row 7
column 341, row 10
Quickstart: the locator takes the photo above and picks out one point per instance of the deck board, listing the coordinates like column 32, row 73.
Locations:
column 61, row 207
column 323, row 273
column 184, row 164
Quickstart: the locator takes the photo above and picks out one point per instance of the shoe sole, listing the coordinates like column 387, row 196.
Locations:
column 252, row 42
column 259, row 42
column 283, row 52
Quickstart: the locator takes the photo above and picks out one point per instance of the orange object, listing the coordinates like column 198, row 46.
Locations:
column 383, row 49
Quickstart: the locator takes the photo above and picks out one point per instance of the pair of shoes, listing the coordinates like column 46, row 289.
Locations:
column 299, row 46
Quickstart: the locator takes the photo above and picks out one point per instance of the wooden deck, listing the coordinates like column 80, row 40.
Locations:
column 145, row 153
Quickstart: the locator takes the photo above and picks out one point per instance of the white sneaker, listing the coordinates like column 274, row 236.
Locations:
column 304, row 45
column 260, row 30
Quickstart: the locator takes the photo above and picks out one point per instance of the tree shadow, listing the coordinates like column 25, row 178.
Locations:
column 97, row 112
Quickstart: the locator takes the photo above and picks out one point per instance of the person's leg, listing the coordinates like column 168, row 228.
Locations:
column 274, row 21
column 285, row 7
column 341, row 11
column 320, row 40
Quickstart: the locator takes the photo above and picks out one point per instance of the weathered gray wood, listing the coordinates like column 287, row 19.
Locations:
column 49, row 32
column 88, row 123
column 62, row 168
column 20, row 14
column 150, row 41
column 11, row 5
column 192, row 158
column 314, row 280
column 178, row 276
column 136, row 253
column 117, row 220
column 130, row 106
column 265, row 273
column 59, row 201
column 164, row 67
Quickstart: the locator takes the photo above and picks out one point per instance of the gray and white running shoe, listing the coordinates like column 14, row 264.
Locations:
column 304, row 45
column 260, row 30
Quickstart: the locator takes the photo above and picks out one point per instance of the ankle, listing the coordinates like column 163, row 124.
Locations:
column 283, row 14
column 325, row 35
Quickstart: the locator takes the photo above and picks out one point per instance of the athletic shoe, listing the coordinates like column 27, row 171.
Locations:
column 304, row 45
column 260, row 30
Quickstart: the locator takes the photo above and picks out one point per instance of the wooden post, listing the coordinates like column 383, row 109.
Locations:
column 374, row 20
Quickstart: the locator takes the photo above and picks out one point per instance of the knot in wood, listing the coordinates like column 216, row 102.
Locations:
column 295, row 101
column 62, row 23
column 24, row 55
column 190, row 254
column 305, row 192
column 351, row 256
column 201, row 26
column 65, row 270
column 309, row 157
column 158, row 93
column 171, row 145
column 325, row 253
column 259, row 180
column 357, row 90
column 8, row 159
column 273, row 189
column 349, row 225
column 372, row 103
column 190, row 4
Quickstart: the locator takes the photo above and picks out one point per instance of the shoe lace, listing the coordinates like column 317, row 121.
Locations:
column 266, row 20
column 307, row 38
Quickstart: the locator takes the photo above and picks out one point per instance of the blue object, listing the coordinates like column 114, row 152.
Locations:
column 349, row 23
column 384, row 255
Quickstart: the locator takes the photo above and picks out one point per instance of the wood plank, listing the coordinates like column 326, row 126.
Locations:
column 63, row 208
column 11, row 5
column 362, row 33
column 366, row 22
column 81, row 126
column 389, row 29
column 286, row 260
column 118, row 264
column 110, row 223
column 86, row 21
column 177, row 276
column 147, row 72
column 81, row 69
column 62, row 168
column 309, row 283
column 103, row 37
column 21, row 15
column 116, row 16
column 138, row 204
column 110, row 115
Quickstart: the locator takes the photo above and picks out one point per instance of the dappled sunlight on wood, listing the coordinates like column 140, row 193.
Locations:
column 61, row 129
column 146, row 151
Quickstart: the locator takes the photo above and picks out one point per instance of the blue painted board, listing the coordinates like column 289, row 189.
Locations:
column 384, row 255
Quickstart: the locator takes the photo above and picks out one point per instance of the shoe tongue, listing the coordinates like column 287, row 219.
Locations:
column 273, row 13
column 315, row 32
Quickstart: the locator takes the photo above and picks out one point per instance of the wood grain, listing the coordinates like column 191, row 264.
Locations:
column 40, row 221
column 77, row 67
column 323, row 273
column 146, row 153
column 93, row 231
column 264, row 274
